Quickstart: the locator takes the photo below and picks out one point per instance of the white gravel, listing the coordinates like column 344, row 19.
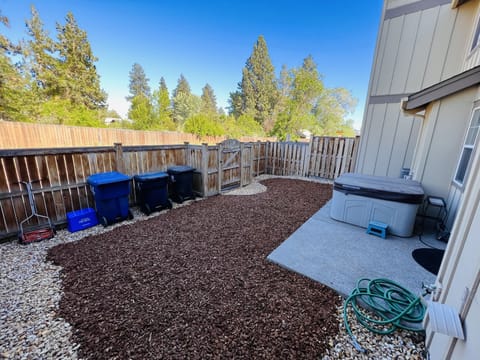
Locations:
column 31, row 288
column 30, row 292
column 400, row 345
column 255, row 187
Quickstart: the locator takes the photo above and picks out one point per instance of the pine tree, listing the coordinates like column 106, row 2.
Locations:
column 162, row 108
column 78, row 76
column 258, row 87
column 183, row 87
column 141, row 112
column 138, row 83
column 209, row 101
column 235, row 107
column 163, row 85
column 12, row 84
column 41, row 63
column 185, row 104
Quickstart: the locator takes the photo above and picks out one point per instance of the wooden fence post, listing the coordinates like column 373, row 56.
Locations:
column 308, row 156
column 252, row 152
column 265, row 163
column 356, row 144
column 259, row 153
column 205, row 169
column 187, row 153
column 274, row 147
column 242, row 151
column 219, row 166
column 119, row 161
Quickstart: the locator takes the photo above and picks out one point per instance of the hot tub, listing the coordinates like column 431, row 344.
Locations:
column 358, row 199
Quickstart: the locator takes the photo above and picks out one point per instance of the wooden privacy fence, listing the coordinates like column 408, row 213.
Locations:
column 325, row 157
column 63, row 172
column 18, row 135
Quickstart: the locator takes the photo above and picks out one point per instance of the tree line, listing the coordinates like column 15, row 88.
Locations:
column 49, row 80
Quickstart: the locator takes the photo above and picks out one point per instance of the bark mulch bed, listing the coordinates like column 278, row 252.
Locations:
column 194, row 282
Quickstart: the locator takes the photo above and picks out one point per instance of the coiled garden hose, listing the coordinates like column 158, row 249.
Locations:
column 394, row 308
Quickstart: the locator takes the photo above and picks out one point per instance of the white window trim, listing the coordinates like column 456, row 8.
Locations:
column 466, row 146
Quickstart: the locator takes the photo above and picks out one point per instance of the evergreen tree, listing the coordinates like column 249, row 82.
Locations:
column 209, row 101
column 162, row 111
column 138, row 83
column 41, row 63
column 183, row 87
column 258, row 89
column 78, row 76
column 12, row 85
column 284, row 87
column 185, row 104
column 64, row 87
column 141, row 112
column 163, row 85
column 235, row 107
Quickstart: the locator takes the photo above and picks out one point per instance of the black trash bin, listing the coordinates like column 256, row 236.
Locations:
column 152, row 191
column 181, row 178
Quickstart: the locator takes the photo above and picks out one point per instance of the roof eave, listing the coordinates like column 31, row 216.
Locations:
column 419, row 100
column 457, row 3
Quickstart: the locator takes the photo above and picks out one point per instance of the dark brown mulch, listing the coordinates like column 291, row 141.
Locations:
column 194, row 282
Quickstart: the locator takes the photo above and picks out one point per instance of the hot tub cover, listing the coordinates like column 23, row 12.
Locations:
column 380, row 187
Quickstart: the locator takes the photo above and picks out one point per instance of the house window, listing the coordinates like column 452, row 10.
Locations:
column 468, row 147
column 476, row 37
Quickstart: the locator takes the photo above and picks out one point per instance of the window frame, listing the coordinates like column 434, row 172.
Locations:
column 470, row 146
column 476, row 36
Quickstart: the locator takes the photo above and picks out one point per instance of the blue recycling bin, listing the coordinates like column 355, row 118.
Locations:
column 181, row 178
column 151, row 190
column 110, row 191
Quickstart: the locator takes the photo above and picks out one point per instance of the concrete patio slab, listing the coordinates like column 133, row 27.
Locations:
column 337, row 254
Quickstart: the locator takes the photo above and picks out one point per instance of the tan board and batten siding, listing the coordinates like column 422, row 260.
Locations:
column 459, row 278
column 441, row 34
column 419, row 44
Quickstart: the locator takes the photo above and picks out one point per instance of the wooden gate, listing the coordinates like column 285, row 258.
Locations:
column 236, row 164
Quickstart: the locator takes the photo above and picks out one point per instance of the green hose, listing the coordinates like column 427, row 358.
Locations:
column 394, row 306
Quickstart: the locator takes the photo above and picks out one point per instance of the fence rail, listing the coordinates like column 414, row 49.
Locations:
column 63, row 173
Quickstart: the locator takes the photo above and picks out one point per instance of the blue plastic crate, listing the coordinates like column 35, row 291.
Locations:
column 81, row 219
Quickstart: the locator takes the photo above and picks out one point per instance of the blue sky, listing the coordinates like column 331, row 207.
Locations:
column 209, row 41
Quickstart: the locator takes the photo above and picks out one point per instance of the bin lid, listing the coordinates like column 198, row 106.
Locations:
column 380, row 187
column 107, row 178
column 151, row 176
column 180, row 169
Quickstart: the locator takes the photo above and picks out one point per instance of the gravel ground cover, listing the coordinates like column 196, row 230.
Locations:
column 194, row 282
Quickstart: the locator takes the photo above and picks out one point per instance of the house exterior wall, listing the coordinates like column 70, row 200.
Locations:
column 459, row 277
column 419, row 44
column 473, row 55
column 441, row 141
